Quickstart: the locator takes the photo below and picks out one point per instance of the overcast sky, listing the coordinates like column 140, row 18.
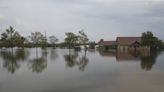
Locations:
column 105, row 19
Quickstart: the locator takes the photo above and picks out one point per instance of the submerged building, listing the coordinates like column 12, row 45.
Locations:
column 123, row 44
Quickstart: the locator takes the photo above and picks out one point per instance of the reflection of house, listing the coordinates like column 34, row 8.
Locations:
column 121, row 56
column 124, row 44
column 125, row 56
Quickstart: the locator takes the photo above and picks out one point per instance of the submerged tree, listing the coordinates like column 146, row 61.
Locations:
column 11, row 38
column 19, row 40
column 36, row 38
column 92, row 45
column 71, row 39
column 7, row 37
column 53, row 40
column 83, row 38
column 148, row 39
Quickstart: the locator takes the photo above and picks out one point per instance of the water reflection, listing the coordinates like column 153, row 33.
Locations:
column 128, row 56
column 39, row 63
column 83, row 61
column 73, row 59
column 147, row 62
column 147, row 59
column 12, row 58
column 54, row 54
column 37, row 60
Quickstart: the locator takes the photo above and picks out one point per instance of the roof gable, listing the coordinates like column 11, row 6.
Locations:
column 128, row 40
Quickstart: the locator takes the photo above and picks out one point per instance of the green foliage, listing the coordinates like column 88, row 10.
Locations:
column 92, row 45
column 19, row 40
column 11, row 38
column 83, row 39
column 53, row 40
column 71, row 39
column 148, row 39
column 37, row 39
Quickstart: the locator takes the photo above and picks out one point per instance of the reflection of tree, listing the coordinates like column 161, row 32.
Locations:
column 38, row 64
column 44, row 53
column 12, row 58
column 83, row 61
column 147, row 62
column 54, row 54
column 73, row 60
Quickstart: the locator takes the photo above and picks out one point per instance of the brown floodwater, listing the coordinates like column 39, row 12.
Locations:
column 58, row 70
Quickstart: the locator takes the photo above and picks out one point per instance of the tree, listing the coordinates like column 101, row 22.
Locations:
column 7, row 37
column 19, row 40
column 83, row 39
column 92, row 45
column 53, row 40
column 71, row 39
column 148, row 39
column 11, row 38
column 36, row 38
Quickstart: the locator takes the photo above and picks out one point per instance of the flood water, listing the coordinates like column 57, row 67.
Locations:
column 58, row 70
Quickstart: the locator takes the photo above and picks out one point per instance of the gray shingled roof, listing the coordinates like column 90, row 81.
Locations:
column 127, row 40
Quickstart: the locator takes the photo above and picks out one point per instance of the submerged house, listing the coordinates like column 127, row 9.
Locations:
column 124, row 44
column 106, row 45
column 128, row 43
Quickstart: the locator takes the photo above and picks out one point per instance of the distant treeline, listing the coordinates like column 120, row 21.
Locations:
column 11, row 38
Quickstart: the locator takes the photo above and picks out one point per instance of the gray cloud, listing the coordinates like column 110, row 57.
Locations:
column 99, row 18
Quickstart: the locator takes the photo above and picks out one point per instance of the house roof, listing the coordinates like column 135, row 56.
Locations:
column 128, row 40
column 107, row 43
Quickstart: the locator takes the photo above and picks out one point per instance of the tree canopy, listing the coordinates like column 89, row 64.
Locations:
column 148, row 39
column 53, row 40
column 71, row 39
column 11, row 38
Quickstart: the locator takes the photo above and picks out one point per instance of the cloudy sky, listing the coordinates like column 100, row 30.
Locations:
column 105, row 19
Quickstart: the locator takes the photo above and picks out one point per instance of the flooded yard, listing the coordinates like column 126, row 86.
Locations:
column 61, row 70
